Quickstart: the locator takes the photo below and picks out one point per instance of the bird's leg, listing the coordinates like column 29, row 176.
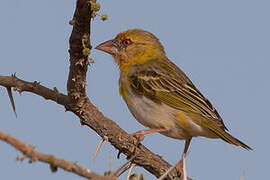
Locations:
column 179, row 164
column 139, row 135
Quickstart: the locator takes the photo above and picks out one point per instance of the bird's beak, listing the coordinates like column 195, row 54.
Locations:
column 108, row 47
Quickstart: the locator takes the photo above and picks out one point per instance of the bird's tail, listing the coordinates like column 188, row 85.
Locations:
column 218, row 129
column 230, row 139
column 221, row 133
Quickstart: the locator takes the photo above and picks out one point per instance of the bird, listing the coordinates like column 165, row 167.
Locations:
column 159, row 94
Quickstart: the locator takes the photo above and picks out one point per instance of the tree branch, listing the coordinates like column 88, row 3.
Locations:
column 34, row 87
column 53, row 161
column 93, row 118
column 78, row 102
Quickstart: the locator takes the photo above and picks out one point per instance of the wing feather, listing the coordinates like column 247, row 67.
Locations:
column 164, row 82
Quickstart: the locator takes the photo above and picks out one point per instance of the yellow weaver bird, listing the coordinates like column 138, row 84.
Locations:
column 159, row 94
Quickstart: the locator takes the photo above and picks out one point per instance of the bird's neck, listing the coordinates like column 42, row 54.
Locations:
column 126, row 64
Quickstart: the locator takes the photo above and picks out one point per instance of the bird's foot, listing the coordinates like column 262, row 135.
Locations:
column 139, row 136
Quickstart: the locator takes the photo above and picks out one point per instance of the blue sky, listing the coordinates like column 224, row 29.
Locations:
column 223, row 46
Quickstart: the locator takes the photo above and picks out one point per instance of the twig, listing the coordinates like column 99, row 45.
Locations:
column 34, row 155
column 36, row 88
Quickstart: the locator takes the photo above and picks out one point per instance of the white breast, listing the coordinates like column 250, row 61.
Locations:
column 155, row 115
column 150, row 113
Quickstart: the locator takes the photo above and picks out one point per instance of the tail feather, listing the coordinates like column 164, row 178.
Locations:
column 218, row 129
column 229, row 138
column 220, row 132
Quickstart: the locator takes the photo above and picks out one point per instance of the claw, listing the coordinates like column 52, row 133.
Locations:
column 98, row 148
column 139, row 135
column 11, row 100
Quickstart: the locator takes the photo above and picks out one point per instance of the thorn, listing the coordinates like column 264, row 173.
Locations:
column 118, row 155
column 36, row 83
column 124, row 167
column 11, row 100
column 53, row 168
column 130, row 170
column 106, row 138
column 98, row 148
column 72, row 22
column 82, row 121
column 56, row 90
column 170, row 169
column 134, row 177
column 90, row 61
column 20, row 158
column 111, row 162
column 141, row 177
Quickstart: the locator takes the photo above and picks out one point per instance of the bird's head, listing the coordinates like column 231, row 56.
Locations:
column 133, row 46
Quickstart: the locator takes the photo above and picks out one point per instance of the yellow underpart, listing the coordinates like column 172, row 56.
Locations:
column 184, row 122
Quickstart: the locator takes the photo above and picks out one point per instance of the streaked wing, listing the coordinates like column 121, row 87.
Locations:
column 162, row 81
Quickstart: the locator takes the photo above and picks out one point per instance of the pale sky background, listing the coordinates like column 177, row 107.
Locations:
column 223, row 46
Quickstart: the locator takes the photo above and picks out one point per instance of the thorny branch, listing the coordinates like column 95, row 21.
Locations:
column 77, row 101
column 53, row 161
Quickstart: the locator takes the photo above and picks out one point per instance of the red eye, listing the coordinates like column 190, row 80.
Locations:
column 127, row 42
